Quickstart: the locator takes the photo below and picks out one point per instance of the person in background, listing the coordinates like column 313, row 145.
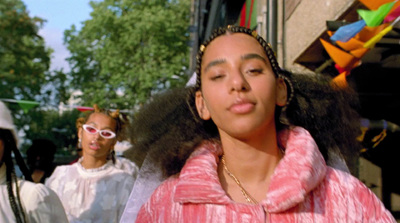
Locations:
column 40, row 157
column 262, row 144
column 95, row 189
column 22, row 201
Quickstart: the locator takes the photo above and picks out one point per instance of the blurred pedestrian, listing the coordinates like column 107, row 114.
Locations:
column 40, row 159
column 22, row 201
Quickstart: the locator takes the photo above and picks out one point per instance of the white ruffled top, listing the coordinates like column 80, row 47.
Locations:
column 93, row 195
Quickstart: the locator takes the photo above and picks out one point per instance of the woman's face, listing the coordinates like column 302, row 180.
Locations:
column 94, row 144
column 239, row 90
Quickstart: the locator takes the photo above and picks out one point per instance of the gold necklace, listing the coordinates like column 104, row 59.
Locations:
column 246, row 195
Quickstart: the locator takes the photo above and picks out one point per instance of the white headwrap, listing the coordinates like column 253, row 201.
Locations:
column 6, row 120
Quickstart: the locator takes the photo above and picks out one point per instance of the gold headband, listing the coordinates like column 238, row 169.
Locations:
column 229, row 27
column 202, row 48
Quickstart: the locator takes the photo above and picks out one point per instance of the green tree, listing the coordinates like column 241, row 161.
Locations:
column 23, row 55
column 129, row 50
column 24, row 74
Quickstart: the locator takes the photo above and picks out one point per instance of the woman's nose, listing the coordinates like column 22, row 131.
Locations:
column 97, row 136
column 239, row 82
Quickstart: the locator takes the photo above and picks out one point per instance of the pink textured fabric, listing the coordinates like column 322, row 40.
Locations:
column 302, row 189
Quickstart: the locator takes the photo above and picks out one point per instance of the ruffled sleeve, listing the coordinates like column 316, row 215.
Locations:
column 41, row 204
column 127, row 166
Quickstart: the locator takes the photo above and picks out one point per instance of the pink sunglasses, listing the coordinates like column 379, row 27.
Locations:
column 107, row 134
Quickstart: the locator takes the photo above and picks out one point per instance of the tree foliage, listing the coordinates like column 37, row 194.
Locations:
column 24, row 74
column 52, row 125
column 129, row 50
column 23, row 55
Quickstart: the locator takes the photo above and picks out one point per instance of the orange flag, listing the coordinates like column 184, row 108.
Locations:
column 368, row 32
column 342, row 58
column 340, row 80
column 352, row 44
column 375, row 4
column 371, row 43
column 359, row 53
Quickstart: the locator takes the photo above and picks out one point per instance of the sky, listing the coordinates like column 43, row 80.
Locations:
column 60, row 15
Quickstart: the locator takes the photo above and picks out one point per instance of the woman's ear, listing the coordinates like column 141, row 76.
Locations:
column 80, row 132
column 201, row 106
column 281, row 92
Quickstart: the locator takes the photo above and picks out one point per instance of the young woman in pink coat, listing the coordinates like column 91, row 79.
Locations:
column 257, row 146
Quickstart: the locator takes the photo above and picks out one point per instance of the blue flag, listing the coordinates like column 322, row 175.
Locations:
column 345, row 33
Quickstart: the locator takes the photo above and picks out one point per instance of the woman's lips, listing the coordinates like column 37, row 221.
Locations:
column 241, row 106
column 94, row 146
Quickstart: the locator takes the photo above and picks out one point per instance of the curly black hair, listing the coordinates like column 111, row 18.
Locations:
column 329, row 113
column 164, row 130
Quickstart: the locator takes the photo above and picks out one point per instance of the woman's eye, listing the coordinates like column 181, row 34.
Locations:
column 92, row 130
column 106, row 133
column 216, row 77
column 254, row 71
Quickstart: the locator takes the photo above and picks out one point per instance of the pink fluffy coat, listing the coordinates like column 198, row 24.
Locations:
column 303, row 189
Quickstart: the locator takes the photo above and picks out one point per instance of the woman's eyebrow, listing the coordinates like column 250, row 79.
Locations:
column 92, row 123
column 214, row 63
column 253, row 56
column 95, row 125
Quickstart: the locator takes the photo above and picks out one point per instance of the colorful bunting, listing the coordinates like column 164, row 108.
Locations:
column 375, row 4
column 371, row 43
column 345, row 33
column 342, row 58
column 340, row 69
column 84, row 109
column 368, row 32
column 359, row 53
column 393, row 15
column 340, row 80
column 25, row 105
column 352, row 44
column 375, row 17
column 248, row 14
column 356, row 39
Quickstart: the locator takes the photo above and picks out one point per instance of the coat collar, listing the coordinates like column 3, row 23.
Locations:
column 299, row 172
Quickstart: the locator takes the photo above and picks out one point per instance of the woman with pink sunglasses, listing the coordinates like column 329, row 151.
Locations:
column 95, row 189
